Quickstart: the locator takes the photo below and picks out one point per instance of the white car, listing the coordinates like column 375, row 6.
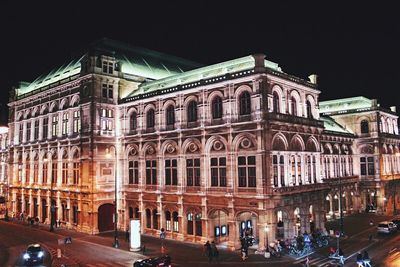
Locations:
column 386, row 227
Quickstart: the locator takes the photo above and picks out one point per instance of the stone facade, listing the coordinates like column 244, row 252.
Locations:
column 203, row 152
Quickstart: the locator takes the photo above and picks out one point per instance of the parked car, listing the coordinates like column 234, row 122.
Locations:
column 396, row 221
column 386, row 227
column 164, row 260
column 33, row 255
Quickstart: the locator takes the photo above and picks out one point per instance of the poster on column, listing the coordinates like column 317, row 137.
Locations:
column 135, row 235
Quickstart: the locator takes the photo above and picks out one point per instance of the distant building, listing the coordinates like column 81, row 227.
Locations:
column 213, row 152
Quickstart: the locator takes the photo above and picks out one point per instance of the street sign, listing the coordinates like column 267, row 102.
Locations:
column 337, row 233
column 68, row 240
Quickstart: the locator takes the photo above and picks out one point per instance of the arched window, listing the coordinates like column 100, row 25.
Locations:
column 364, row 127
column 133, row 121
column 276, row 106
column 309, row 111
column 155, row 219
column 168, row 220
column 170, row 115
column 293, row 106
column 216, row 108
column 150, row 118
column 148, row 218
column 244, row 103
column 192, row 111
column 137, row 213
column 190, row 224
column 176, row 221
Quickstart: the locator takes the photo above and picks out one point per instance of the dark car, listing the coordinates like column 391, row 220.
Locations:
column 396, row 221
column 33, row 254
column 153, row 262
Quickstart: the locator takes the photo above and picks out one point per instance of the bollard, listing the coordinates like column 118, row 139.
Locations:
column 58, row 253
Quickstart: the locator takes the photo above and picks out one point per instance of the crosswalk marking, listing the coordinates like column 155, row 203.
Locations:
column 116, row 264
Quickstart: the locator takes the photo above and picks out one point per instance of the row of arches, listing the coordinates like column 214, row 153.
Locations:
column 53, row 106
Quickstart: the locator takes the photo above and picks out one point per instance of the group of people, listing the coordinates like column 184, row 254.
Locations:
column 211, row 251
column 363, row 260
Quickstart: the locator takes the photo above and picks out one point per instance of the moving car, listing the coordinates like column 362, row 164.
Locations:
column 396, row 221
column 164, row 260
column 386, row 227
column 33, row 255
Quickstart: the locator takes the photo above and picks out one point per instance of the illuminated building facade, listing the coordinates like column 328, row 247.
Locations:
column 204, row 152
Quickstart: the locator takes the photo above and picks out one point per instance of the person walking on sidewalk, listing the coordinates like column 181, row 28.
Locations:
column 341, row 257
column 127, row 235
column 215, row 251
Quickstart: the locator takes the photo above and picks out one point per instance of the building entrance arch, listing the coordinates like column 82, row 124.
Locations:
column 219, row 225
column 105, row 217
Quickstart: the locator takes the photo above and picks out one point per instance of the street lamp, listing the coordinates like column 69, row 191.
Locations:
column 108, row 155
column 266, row 229
column 341, row 207
column 52, row 207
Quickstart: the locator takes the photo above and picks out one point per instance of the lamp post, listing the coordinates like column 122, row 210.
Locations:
column 266, row 229
column 108, row 155
column 52, row 207
column 341, row 207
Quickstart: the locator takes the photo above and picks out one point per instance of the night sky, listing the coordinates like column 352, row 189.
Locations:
column 354, row 48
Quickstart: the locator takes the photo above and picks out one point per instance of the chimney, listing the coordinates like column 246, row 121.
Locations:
column 313, row 78
column 393, row 109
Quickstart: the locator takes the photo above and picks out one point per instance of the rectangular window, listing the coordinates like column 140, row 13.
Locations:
column 275, row 169
column 363, row 166
column 193, row 172
column 44, row 173
column 151, row 172
column 54, row 172
column 75, row 214
column 133, row 172
column 108, row 67
column 27, row 172
column 371, row 166
column 54, row 126
column 35, row 172
column 106, row 119
column 21, row 133
column 28, row 131
column 218, row 171
column 36, row 130
column 247, row 171
column 76, row 172
column 65, row 124
column 76, row 121
column 64, row 172
column 171, row 173
column 45, row 127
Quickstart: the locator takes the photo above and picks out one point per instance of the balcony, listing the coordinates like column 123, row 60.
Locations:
column 294, row 119
column 288, row 190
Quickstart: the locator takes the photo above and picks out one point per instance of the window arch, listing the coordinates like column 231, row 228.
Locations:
column 364, row 127
column 309, row 110
column 276, row 104
column 293, row 106
column 170, row 115
column 192, row 111
column 216, row 107
column 244, row 103
column 155, row 219
column 150, row 118
column 133, row 121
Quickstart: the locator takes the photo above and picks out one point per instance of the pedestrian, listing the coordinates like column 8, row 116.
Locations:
column 215, row 251
column 341, row 257
column 366, row 260
column 307, row 263
column 370, row 238
column 209, row 252
column 243, row 251
column 127, row 235
column 205, row 248
column 359, row 260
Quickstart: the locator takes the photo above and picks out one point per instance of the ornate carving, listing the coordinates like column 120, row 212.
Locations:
column 193, row 147
column 150, row 150
column 246, row 143
column 218, row 145
column 133, row 152
column 170, row 148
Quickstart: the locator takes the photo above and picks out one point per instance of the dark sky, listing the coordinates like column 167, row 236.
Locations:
column 353, row 47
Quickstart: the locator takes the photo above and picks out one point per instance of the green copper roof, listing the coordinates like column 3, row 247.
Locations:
column 331, row 125
column 65, row 71
column 208, row 72
column 345, row 104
